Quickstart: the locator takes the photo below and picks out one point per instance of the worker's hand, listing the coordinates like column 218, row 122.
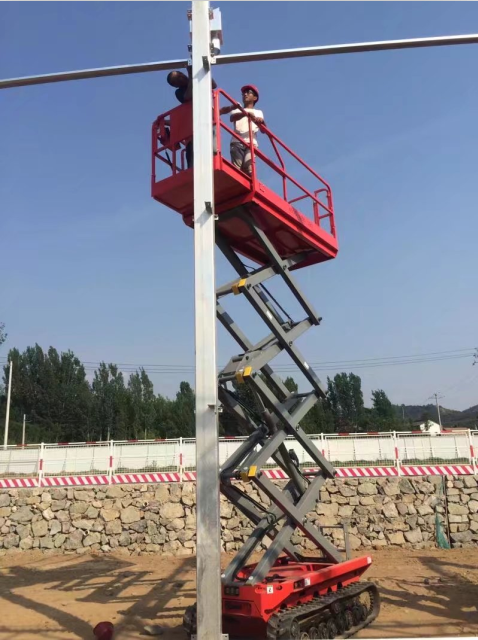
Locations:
column 224, row 110
column 258, row 121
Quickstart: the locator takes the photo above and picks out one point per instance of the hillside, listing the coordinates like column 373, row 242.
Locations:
column 450, row 417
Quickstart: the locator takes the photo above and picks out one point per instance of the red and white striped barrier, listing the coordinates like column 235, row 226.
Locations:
column 18, row 483
column 442, row 470
column 140, row 478
column 190, row 476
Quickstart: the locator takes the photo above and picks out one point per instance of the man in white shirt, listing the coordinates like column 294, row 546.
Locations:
column 241, row 154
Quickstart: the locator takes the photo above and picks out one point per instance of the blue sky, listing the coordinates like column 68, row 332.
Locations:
column 91, row 263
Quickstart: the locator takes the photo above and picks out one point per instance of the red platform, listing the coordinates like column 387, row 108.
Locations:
column 292, row 231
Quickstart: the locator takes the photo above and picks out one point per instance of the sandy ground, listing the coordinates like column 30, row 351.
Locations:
column 60, row 598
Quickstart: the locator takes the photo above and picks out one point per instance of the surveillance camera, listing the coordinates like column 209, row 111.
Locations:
column 215, row 46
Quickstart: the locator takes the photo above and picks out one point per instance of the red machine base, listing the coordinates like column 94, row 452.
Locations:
column 266, row 610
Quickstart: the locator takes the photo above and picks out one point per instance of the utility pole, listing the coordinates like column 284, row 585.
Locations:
column 203, row 55
column 7, row 414
column 25, row 422
column 437, row 397
column 208, row 531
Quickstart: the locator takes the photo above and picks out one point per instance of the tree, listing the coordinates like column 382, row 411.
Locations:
column 345, row 400
column 319, row 419
column 3, row 335
column 426, row 416
column 183, row 412
column 291, row 384
column 109, row 400
column 164, row 424
column 52, row 389
column 141, row 405
column 383, row 413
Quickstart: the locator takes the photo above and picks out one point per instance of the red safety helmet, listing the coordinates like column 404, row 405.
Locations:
column 254, row 88
column 104, row 631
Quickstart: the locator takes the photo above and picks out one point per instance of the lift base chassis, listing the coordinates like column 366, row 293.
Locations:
column 313, row 599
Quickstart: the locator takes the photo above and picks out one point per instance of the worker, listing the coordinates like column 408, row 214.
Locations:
column 184, row 93
column 240, row 153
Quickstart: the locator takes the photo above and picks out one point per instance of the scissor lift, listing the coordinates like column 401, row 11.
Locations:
column 285, row 594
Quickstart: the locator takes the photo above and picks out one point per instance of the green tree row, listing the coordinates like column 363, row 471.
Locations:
column 62, row 405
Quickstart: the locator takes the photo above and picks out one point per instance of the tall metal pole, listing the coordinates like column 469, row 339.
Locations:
column 23, row 429
column 7, row 414
column 208, row 559
column 437, row 397
column 439, row 416
column 438, row 409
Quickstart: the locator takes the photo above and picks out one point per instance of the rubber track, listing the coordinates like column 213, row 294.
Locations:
column 279, row 624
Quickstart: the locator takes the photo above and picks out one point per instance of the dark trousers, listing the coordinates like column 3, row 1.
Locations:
column 189, row 154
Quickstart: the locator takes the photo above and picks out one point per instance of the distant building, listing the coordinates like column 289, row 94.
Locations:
column 430, row 427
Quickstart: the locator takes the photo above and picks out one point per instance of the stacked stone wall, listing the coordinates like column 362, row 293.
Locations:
column 150, row 519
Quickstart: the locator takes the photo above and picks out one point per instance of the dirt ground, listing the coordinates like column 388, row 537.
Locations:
column 60, row 598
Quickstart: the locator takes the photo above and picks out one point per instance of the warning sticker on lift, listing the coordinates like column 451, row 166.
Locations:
column 270, row 589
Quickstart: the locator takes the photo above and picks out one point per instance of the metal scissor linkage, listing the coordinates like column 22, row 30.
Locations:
column 277, row 415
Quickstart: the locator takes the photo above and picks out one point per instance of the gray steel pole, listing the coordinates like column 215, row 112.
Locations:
column 208, row 578
column 233, row 58
column 437, row 397
column 88, row 74
column 7, row 414
column 23, row 429
column 358, row 47
column 438, row 409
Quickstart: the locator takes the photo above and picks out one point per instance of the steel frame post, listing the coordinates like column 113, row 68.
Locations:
column 111, row 461
column 396, row 452
column 208, row 576
column 472, row 451
column 41, row 462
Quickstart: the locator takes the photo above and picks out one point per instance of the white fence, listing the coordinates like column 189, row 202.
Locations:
column 178, row 455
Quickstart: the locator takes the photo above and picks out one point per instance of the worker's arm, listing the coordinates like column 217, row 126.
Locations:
column 238, row 116
column 228, row 109
column 259, row 119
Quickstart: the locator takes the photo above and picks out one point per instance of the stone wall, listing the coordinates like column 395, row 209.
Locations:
column 143, row 519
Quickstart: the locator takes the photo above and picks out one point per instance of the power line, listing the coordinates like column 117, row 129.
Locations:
column 367, row 363
column 468, row 352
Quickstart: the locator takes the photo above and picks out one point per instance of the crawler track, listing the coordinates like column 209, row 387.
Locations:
column 338, row 615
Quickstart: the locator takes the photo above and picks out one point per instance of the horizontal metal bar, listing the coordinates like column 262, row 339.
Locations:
column 359, row 47
column 234, row 58
column 86, row 74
